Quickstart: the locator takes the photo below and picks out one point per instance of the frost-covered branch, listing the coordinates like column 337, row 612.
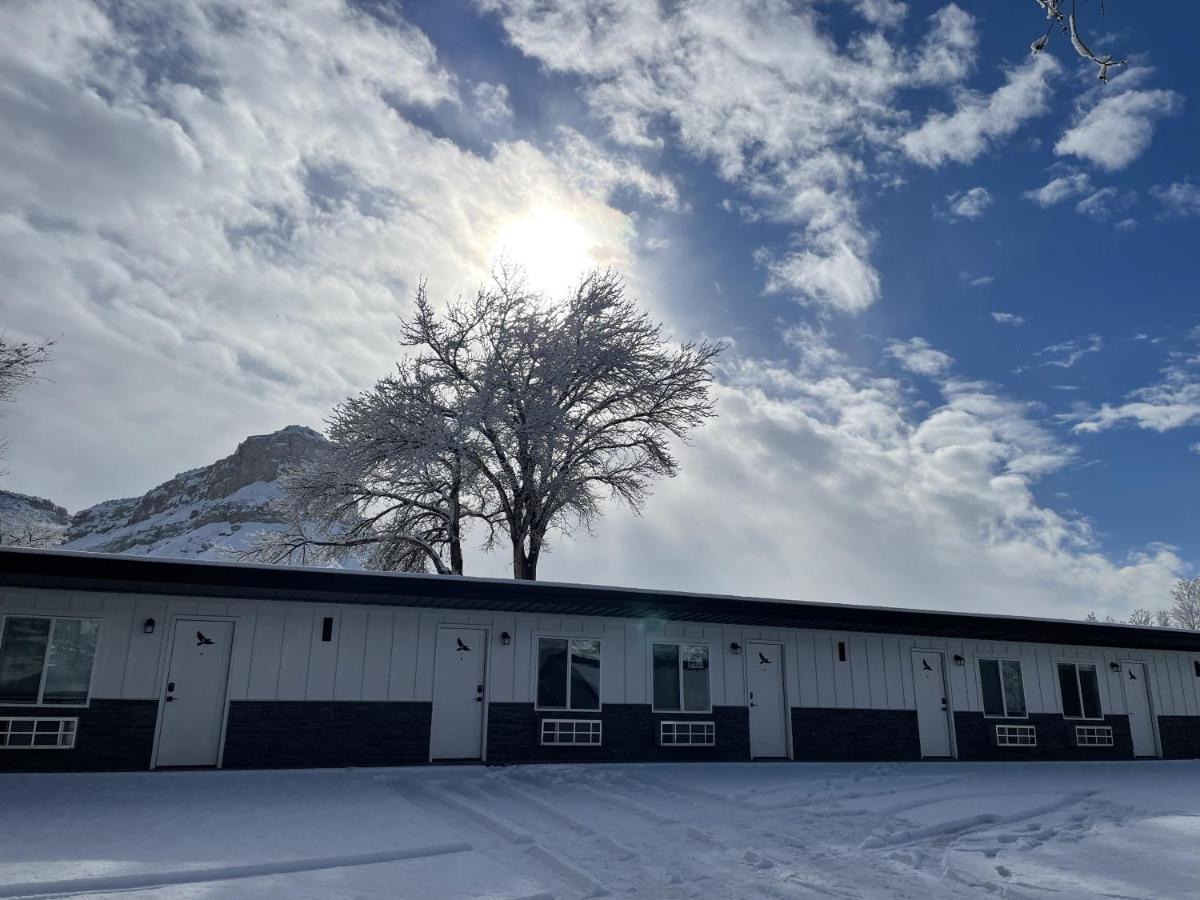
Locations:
column 1066, row 22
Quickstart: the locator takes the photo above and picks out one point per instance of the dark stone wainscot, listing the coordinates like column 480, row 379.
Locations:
column 286, row 734
column 822, row 734
column 111, row 736
column 1055, row 738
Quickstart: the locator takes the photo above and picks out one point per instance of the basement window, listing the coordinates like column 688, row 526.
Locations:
column 687, row 734
column 571, row 732
column 22, row 733
column 1003, row 688
column 681, row 678
column 47, row 660
column 1080, row 688
column 568, row 673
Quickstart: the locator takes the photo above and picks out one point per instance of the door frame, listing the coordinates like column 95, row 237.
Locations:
column 487, row 683
column 949, row 699
column 164, row 670
column 785, row 696
column 1150, row 709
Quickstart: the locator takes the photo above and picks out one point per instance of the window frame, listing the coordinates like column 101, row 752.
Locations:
column 1003, row 698
column 46, row 656
column 1076, row 664
column 680, row 642
column 551, row 636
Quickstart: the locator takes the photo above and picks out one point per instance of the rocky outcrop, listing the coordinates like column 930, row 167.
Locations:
column 201, row 513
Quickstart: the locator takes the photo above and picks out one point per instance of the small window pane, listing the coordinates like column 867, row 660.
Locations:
column 22, row 651
column 1069, row 688
column 989, row 680
column 695, row 676
column 1014, row 689
column 69, row 665
column 1091, row 692
column 552, row 673
column 585, row 674
column 666, row 676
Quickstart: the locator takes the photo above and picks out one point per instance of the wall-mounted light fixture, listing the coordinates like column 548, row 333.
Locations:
column 1115, row 666
column 505, row 638
column 735, row 648
column 1196, row 666
column 959, row 659
column 148, row 627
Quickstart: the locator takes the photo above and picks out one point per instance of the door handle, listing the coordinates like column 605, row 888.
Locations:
column 170, row 699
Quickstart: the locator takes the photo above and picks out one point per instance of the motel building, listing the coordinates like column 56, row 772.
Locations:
column 128, row 663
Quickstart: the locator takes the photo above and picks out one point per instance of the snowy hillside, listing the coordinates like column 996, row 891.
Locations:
column 200, row 513
column 27, row 521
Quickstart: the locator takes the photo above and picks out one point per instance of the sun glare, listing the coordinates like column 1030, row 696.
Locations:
column 551, row 246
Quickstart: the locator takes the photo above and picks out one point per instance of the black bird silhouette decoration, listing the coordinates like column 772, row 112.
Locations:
column 762, row 659
column 1132, row 677
column 202, row 641
column 462, row 647
column 925, row 666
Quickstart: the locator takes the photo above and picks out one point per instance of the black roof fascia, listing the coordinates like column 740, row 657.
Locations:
column 49, row 569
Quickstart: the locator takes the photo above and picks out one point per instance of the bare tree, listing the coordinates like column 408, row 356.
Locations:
column 1066, row 22
column 566, row 403
column 19, row 364
column 1141, row 616
column 1185, row 611
column 1162, row 618
column 393, row 490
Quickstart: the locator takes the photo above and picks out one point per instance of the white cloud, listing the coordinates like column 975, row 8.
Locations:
column 1101, row 205
column 1179, row 199
column 1172, row 402
column 1195, row 448
column 1117, row 128
column 491, row 103
column 818, row 466
column 763, row 92
column 969, row 204
column 1066, row 354
column 1059, row 189
column 1005, row 318
column 224, row 215
column 980, row 120
column 917, row 355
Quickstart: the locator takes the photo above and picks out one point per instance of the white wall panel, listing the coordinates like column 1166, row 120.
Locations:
column 145, row 650
column 406, row 635
column 266, row 653
column 351, row 636
column 296, row 651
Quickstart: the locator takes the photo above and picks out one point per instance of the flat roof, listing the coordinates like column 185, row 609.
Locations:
column 68, row 570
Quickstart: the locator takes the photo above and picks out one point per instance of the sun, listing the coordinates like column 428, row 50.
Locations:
column 553, row 248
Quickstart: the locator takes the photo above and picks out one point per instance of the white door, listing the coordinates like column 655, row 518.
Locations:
column 1137, row 702
column 193, row 707
column 458, row 672
column 768, row 708
column 933, row 707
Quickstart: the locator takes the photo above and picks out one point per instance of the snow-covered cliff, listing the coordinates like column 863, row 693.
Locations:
column 200, row 513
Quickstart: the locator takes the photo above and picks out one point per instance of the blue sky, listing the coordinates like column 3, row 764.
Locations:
column 959, row 281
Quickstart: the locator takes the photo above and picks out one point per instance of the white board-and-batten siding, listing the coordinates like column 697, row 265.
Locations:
column 380, row 653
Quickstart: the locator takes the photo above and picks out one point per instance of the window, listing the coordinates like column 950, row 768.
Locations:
column 687, row 734
column 568, row 673
column 1093, row 736
column 1003, row 688
column 576, row 732
column 1080, row 691
column 37, row 734
column 47, row 660
column 1016, row 736
column 681, row 678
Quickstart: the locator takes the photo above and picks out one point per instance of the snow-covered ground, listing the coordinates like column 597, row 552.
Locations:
column 701, row 830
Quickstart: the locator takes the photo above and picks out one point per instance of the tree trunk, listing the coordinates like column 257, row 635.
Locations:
column 456, row 556
column 522, row 570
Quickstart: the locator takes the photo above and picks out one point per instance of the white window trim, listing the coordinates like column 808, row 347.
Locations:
column 1016, row 736
column 598, row 730
column 1094, row 736
column 63, row 732
column 709, row 727
column 1003, row 698
column 1079, row 690
column 679, row 642
column 46, row 655
column 537, row 639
